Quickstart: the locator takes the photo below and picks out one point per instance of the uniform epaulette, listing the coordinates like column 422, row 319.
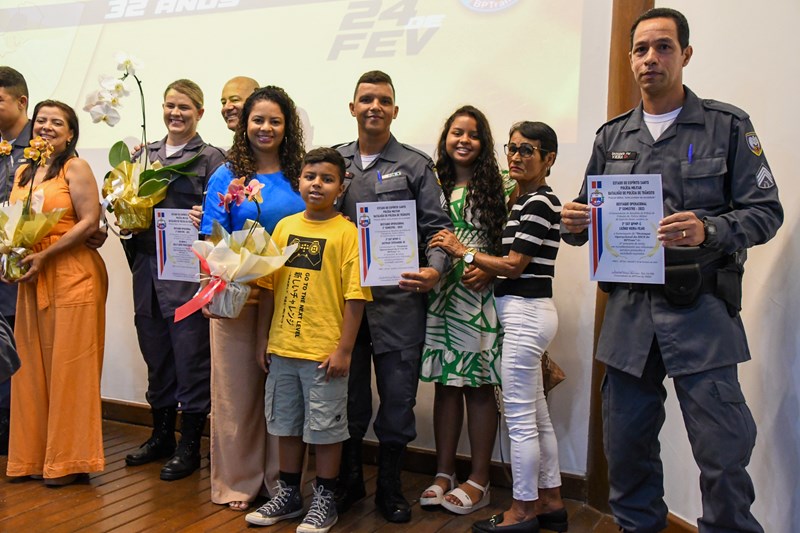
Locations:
column 337, row 146
column 623, row 116
column 417, row 150
column 220, row 150
column 716, row 105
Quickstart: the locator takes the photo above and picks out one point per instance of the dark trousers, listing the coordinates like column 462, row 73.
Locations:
column 178, row 358
column 396, row 377
column 721, row 432
column 5, row 386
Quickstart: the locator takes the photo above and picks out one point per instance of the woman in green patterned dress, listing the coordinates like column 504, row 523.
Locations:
column 463, row 336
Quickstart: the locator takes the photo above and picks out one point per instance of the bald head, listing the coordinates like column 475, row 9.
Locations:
column 234, row 93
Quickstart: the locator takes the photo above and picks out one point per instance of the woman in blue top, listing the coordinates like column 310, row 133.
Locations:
column 267, row 146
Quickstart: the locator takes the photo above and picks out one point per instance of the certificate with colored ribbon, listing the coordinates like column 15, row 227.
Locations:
column 174, row 237
column 387, row 241
column 625, row 211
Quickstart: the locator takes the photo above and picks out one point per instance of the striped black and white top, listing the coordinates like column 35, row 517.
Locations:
column 532, row 230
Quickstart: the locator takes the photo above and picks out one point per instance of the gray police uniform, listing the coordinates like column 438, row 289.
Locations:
column 393, row 329
column 711, row 163
column 178, row 355
column 8, row 292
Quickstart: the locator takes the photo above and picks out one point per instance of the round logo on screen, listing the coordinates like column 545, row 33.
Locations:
column 364, row 221
column 596, row 198
column 488, row 6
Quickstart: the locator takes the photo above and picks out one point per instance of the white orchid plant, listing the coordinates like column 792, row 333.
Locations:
column 130, row 189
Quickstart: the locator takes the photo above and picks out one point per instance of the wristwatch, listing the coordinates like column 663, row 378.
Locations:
column 469, row 255
column 710, row 231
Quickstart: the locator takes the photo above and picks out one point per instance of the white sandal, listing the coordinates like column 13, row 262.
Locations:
column 436, row 489
column 467, row 506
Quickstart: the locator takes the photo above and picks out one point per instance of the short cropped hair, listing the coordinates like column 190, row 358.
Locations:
column 375, row 77
column 13, row 82
column 537, row 131
column 665, row 12
column 189, row 89
column 326, row 155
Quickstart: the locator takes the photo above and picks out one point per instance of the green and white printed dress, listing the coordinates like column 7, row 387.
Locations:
column 463, row 337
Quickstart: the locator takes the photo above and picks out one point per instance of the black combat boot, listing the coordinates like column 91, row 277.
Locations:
column 187, row 455
column 350, row 487
column 161, row 443
column 389, row 495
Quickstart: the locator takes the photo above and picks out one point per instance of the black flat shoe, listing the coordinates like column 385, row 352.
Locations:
column 554, row 520
column 493, row 525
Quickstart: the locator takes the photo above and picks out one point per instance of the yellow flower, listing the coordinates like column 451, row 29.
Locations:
column 37, row 143
column 5, row 148
column 31, row 153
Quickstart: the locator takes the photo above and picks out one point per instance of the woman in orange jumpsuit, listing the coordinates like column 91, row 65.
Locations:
column 56, row 426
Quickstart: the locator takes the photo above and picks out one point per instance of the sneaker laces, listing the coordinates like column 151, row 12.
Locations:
column 277, row 502
column 321, row 502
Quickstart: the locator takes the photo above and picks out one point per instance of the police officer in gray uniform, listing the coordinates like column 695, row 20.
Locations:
column 719, row 199
column 178, row 355
column 382, row 169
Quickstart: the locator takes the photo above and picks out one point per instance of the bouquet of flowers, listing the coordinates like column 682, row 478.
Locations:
column 130, row 189
column 23, row 225
column 231, row 260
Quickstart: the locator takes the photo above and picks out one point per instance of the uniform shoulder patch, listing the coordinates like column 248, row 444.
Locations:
column 753, row 143
column 741, row 114
column 764, row 178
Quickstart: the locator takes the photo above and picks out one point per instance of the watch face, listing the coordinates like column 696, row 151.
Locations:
column 469, row 257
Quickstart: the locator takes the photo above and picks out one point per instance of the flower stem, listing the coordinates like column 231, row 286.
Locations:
column 144, row 121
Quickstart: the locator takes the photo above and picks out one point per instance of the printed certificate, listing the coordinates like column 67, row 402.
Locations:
column 625, row 211
column 175, row 235
column 387, row 241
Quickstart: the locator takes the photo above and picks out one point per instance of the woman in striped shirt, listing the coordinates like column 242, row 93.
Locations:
column 525, row 306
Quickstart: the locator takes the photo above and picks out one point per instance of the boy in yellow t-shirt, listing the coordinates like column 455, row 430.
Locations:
column 314, row 304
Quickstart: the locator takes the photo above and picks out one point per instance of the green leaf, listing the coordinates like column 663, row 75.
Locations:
column 152, row 186
column 119, row 153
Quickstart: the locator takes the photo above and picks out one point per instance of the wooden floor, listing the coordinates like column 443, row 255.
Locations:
column 124, row 499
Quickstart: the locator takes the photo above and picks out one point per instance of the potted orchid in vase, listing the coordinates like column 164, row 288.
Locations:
column 132, row 187
column 230, row 261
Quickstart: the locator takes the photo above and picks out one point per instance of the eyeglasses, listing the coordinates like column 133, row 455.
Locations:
column 525, row 150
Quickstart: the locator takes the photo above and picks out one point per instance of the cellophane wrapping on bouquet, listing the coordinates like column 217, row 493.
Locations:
column 20, row 232
column 231, row 261
column 134, row 212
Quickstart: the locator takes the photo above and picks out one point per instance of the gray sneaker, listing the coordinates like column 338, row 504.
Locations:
column 321, row 515
column 287, row 503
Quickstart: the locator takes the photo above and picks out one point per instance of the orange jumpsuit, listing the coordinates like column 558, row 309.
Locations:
column 56, row 425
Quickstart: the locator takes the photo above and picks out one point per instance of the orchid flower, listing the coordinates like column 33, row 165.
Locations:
column 104, row 112
column 5, row 147
column 115, row 86
column 127, row 63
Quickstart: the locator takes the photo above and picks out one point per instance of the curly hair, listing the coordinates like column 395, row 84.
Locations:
column 59, row 160
column 485, row 195
column 241, row 158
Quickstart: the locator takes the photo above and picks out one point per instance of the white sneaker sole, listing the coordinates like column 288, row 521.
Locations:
column 311, row 529
column 257, row 519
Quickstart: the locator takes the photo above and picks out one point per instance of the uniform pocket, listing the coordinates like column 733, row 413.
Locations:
column 394, row 188
column 619, row 167
column 703, row 182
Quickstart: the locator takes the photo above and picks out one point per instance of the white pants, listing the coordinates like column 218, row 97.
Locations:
column 529, row 324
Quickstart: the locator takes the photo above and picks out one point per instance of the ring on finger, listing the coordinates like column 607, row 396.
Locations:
column 683, row 234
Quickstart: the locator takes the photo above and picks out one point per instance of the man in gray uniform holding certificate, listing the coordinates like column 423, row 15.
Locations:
column 391, row 335
column 720, row 198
